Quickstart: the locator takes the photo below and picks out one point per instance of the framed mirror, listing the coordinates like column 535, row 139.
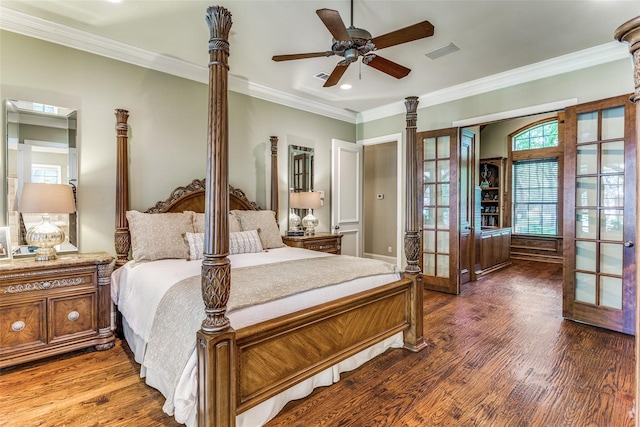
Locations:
column 41, row 147
column 300, row 175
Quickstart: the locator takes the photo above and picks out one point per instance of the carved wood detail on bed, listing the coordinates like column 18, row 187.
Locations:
column 191, row 198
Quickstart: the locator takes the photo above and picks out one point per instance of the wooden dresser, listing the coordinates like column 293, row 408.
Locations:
column 321, row 242
column 51, row 307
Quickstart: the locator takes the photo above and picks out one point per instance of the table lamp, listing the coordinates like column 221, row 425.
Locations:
column 309, row 200
column 46, row 199
column 294, row 218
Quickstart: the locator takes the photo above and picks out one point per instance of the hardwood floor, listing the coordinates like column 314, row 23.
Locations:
column 499, row 354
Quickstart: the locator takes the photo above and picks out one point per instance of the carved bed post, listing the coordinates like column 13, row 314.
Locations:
column 216, row 339
column 414, row 336
column 122, row 238
column 274, row 174
column 629, row 33
column 411, row 235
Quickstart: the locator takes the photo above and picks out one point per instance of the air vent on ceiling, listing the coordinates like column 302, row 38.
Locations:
column 442, row 51
column 322, row 76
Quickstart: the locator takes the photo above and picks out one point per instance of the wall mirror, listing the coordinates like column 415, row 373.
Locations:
column 41, row 147
column 300, row 173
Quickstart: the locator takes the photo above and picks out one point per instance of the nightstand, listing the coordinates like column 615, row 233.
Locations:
column 52, row 307
column 321, row 242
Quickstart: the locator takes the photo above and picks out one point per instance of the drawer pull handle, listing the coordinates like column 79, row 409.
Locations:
column 73, row 316
column 18, row 326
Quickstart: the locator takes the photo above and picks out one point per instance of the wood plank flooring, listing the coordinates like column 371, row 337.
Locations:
column 499, row 354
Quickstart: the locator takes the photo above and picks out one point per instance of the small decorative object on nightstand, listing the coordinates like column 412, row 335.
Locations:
column 52, row 307
column 321, row 242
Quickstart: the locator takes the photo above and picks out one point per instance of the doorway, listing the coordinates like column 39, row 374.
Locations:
column 383, row 198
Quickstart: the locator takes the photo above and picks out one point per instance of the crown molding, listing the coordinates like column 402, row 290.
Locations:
column 602, row 54
column 27, row 25
column 21, row 23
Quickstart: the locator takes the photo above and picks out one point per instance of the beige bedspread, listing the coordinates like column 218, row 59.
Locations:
column 181, row 310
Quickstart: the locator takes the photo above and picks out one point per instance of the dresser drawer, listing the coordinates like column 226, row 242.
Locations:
column 23, row 326
column 49, row 280
column 323, row 245
column 320, row 242
column 72, row 317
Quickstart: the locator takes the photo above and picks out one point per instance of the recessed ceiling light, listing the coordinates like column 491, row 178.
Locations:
column 115, row 1
column 345, row 86
column 442, row 51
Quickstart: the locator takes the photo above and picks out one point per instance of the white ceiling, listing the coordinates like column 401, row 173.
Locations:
column 496, row 39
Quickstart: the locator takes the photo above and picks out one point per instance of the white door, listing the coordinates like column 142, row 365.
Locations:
column 346, row 194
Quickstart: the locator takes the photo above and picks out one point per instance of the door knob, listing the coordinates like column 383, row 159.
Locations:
column 628, row 244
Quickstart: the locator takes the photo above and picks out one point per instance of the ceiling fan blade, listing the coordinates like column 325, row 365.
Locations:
column 413, row 32
column 336, row 75
column 332, row 20
column 279, row 58
column 389, row 67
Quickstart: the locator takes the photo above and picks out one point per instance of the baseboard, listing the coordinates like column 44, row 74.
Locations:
column 537, row 257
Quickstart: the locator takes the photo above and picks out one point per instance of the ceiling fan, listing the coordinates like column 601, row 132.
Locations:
column 353, row 43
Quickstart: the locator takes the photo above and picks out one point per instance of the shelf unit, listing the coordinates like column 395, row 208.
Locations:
column 492, row 189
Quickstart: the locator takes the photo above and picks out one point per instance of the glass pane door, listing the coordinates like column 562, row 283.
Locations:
column 437, row 165
column 600, row 171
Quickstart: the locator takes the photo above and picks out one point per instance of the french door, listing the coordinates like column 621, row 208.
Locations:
column 438, row 156
column 600, row 214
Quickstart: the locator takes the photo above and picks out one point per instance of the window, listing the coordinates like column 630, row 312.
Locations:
column 47, row 174
column 540, row 136
column 535, row 197
column 535, row 154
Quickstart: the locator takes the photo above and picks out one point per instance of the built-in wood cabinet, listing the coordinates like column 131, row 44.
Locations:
column 492, row 181
column 495, row 249
column 51, row 307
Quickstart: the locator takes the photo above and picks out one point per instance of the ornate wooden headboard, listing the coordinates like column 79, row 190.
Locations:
column 191, row 197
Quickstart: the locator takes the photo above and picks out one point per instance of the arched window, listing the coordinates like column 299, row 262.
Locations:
column 536, row 179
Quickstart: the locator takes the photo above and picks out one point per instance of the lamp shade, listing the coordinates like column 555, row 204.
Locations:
column 305, row 200
column 46, row 198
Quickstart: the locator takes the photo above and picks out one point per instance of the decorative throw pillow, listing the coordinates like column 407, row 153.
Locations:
column 196, row 245
column 240, row 242
column 159, row 236
column 198, row 223
column 265, row 222
column 244, row 242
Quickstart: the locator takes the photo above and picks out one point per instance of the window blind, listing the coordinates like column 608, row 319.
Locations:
column 535, row 196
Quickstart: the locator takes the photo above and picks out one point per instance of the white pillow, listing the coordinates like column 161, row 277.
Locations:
column 240, row 242
column 196, row 245
column 159, row 236
column 265, row 223
column 244, row 242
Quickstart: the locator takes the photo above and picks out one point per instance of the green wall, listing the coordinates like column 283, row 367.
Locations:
column 168, row 130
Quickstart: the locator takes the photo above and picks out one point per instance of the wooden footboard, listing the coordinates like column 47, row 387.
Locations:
column 275, row 355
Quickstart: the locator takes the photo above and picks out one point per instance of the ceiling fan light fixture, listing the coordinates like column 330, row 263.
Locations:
column 346, row 86
column 351, row 55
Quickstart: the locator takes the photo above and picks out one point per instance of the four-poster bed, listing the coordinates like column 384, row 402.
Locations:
column 243, row 365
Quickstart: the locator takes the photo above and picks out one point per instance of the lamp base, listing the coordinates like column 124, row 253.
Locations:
column 309, row 223
column 44, row 237
column 46, row 254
